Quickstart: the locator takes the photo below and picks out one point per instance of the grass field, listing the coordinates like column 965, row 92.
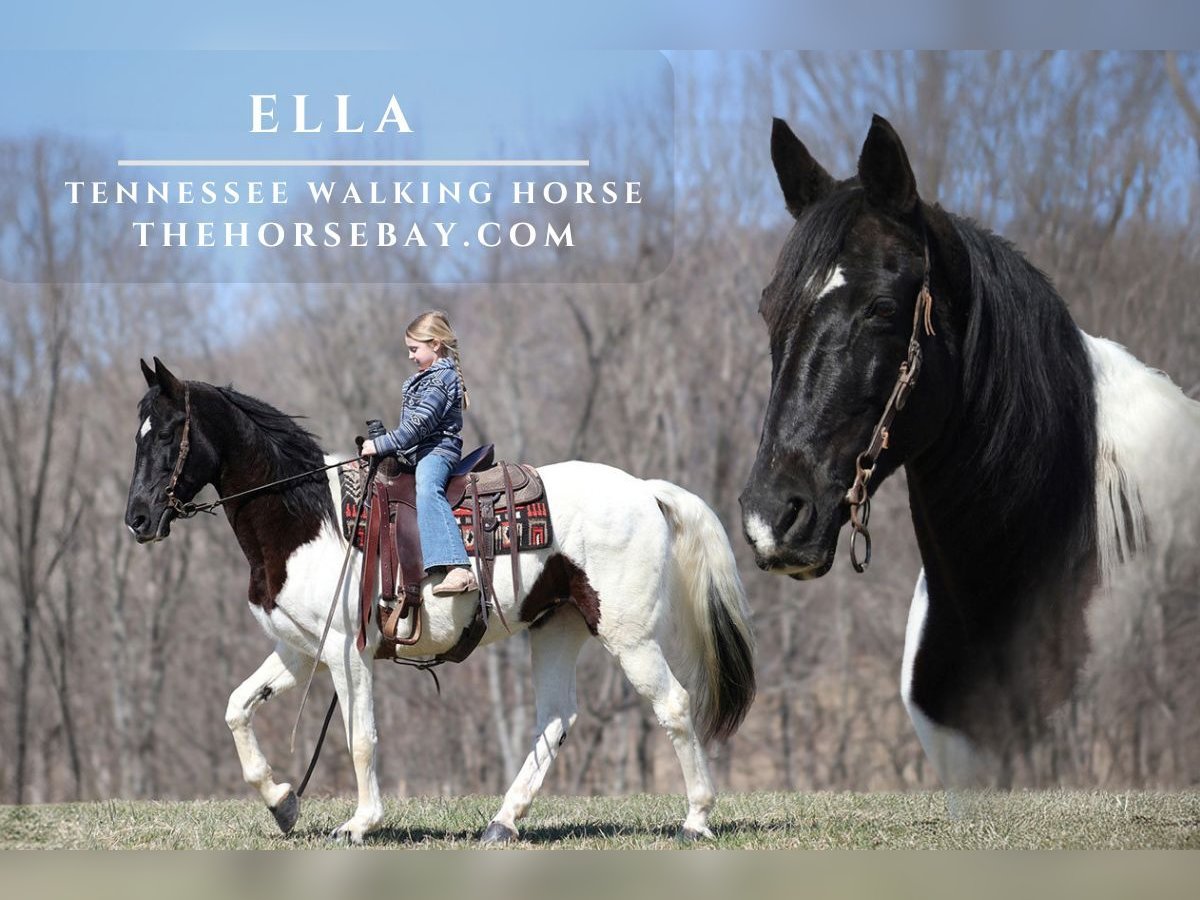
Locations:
column 1051, row 819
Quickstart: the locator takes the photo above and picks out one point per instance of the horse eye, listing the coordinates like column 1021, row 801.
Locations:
column 883, row 307
column 166, row 435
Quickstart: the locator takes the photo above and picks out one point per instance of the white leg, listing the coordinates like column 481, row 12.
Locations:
column 647, row 669
column 352, row 679
column 277, row 674
column 555, row 648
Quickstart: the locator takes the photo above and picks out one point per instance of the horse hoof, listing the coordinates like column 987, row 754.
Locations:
column 344, row 835
column 498, row 833
column 287, row 812
column 691, row 835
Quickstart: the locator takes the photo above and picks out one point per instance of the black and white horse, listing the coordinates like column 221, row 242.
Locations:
column 633, row 563
column 1038, row 458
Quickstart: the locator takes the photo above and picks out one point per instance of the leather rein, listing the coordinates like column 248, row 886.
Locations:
column 189, row 509
column 859, row 496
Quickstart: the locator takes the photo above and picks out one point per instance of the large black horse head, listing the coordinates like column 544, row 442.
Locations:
column 161, row 415
column 839, row 309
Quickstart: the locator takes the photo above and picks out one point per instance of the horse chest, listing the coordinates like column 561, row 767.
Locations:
column 290, row 596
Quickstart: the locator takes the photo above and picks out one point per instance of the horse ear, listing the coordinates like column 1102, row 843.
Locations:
column 148, row 374
column 171, row 386
column 801, row 177
column 884, row 171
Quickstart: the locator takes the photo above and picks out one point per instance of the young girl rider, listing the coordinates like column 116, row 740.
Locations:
column 430, row 421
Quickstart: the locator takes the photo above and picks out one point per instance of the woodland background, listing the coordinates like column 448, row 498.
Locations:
column 117, row 658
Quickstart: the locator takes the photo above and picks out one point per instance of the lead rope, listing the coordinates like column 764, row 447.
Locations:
column 859, row 496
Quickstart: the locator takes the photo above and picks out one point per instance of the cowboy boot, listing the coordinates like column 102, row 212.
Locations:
column 458, row 580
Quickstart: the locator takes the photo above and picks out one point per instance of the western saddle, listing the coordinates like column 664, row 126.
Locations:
column 488, row 497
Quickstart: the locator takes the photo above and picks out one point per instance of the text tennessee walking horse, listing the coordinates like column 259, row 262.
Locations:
column 1038, row 457
column 632, row 563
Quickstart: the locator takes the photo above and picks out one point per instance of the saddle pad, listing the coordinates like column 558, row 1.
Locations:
column 533, row 528
column 352, row 477
column 533, row 518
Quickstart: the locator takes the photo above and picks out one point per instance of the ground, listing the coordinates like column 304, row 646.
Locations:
column 1045, row 819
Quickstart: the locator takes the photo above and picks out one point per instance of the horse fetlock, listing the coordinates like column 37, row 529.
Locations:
column 697, row 817
column 273, row 794
column 258, row 774
column 701, row 802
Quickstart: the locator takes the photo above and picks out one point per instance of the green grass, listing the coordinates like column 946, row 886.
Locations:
column 1049, row 819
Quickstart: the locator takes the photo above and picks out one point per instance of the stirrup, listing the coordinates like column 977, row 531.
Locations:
column 459, row 580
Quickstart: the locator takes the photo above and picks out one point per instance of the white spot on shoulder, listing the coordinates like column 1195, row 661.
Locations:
column 142, row 432
column 912, row 636
column 836, row 280
column 959, row 763
column 760, row 534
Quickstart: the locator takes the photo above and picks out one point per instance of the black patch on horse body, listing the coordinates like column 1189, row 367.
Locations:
column 559, row 582
column 271, row 525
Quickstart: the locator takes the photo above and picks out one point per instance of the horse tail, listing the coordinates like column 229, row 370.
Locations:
column 715, row 650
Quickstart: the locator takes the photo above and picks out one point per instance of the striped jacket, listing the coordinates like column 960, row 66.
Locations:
column 431, row 416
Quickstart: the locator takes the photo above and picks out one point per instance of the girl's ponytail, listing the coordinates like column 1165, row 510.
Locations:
column 462, row 382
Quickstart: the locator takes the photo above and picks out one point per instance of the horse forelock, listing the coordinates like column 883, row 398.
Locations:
column 809, row 257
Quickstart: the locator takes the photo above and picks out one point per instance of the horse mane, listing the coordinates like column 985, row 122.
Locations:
column 289, row 449
column 1028, row 391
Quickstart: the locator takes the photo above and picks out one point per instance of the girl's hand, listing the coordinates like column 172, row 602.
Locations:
column 368, row 448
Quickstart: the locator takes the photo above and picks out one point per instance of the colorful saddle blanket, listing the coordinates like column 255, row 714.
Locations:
column 532, row 514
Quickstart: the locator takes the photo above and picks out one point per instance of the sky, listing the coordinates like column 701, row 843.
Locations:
column 681, row 24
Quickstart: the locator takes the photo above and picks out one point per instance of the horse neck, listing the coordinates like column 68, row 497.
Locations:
column 1004, row 505
column 243, row 462
column 261, row 522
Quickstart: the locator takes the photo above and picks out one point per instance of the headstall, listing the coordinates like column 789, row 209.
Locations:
column 859, row 496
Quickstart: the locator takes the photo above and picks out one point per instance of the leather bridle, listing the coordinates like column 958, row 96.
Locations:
column 859, row 496
column 184, row 510
column 189, row 509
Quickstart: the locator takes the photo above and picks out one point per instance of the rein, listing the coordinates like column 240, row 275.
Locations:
column 858, row 496
column 189, row 509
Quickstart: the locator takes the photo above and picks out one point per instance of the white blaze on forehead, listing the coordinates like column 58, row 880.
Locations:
column 836, row 280
column 760, row 534
column 145, row 428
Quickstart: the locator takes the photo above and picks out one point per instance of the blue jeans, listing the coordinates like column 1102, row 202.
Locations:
column 441, row 540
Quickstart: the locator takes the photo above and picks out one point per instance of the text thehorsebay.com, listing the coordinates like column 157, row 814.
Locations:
column 336, row 194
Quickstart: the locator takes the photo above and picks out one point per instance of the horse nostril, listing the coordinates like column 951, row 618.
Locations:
column 138, row 523
column 791, row 511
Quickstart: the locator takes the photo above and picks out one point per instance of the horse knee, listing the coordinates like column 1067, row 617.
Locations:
column 237, row 713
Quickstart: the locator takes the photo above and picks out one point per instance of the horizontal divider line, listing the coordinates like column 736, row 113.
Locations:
column 348, row 163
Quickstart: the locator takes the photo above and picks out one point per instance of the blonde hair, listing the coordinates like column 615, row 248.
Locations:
column 434, row 325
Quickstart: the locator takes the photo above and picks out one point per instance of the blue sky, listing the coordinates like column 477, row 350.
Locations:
column 683, row 24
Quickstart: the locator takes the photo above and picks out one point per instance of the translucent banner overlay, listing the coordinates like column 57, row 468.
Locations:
column 336, row 167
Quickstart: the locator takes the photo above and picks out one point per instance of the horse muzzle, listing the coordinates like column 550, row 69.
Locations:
column 147, row 527
column 789, row 533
